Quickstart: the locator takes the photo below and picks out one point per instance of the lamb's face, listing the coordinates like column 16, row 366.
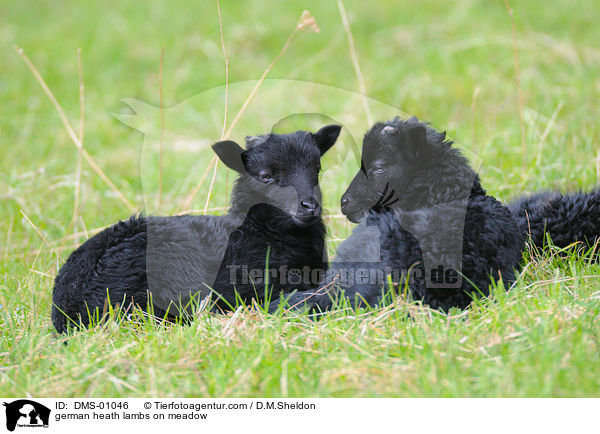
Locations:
column 388, row 164
column 282, row 170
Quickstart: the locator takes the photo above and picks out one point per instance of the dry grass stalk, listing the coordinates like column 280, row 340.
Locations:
column 77, row 193
column 162, row 127
column 549, row 125
column 81, row 135
column 70, row 130
column 473, row 111
column 226, row 58
column 518, row 81
column 323, row 290
column 42, row 236
column 305, row 19
column 355, row 63
column 188, row 200
column 306, row 22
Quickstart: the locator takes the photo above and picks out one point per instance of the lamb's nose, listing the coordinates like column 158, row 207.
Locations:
column 344, row 200
column 310, row 205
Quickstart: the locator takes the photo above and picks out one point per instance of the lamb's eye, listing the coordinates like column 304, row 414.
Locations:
column 265, row 177
column 378, row 169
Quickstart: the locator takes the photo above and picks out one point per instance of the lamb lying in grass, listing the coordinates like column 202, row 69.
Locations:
column 427, row 224
column 274, row 226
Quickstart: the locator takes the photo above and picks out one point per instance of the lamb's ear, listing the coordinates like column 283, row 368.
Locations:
column 230, row 154
column 326, row 137
column 415, row 139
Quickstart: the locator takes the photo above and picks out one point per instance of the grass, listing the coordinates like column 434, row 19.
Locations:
column 451, row 63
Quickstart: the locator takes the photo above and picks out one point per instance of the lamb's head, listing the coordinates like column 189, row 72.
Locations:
column 401, row 160
column 281, row 170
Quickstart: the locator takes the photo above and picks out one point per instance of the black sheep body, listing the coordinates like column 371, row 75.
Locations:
column 491, row 249
column 421, row 207
column 429, row 209
column 171, row 259
column 566, row 218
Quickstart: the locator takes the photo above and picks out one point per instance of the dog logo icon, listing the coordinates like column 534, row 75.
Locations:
column 26, row 413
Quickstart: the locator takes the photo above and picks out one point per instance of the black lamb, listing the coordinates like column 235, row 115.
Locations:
column 273, row 227
column 425, row 222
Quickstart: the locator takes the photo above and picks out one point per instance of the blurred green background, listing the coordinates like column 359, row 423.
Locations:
column 428, row 58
